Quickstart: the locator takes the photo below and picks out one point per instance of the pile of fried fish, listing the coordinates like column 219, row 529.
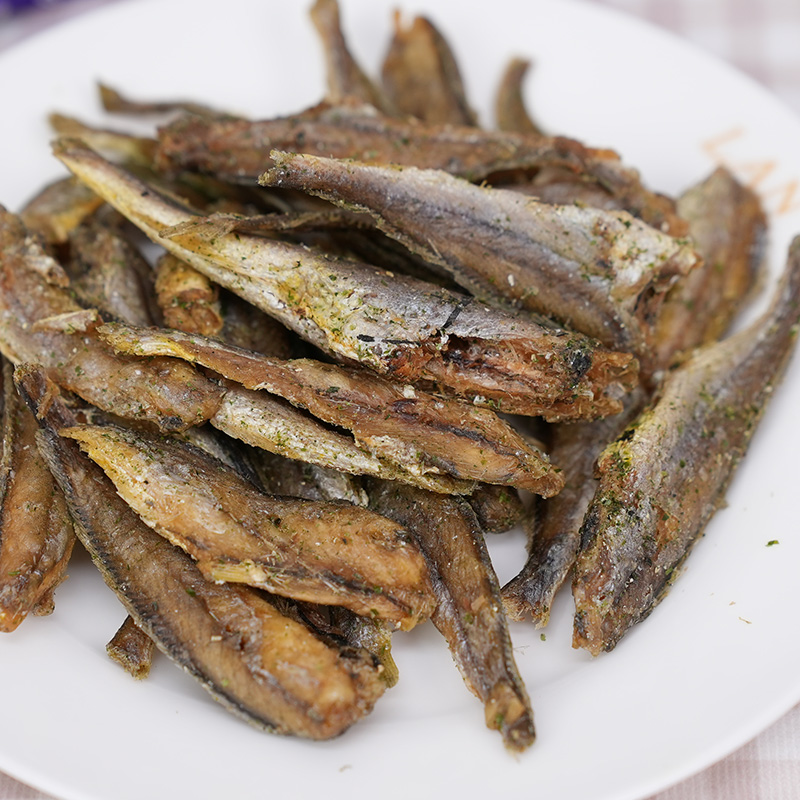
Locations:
column 283, row 434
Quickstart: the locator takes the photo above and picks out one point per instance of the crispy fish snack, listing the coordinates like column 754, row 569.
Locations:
column 259, row 663
column 662, row 480
column 418, row 431
column 411, row 330
column 598, row 272
column 327, row 553
column 36, row 535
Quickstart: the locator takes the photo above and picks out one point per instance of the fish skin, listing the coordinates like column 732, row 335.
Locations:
column 36, row 534
column 327, row 553
column 469, row 612
column 419, row 432
column 420, row 75
column 258, row 663
column 663, row 478
column 35, row 317
column 601, row 273
column 237, row 150
column 409, row 329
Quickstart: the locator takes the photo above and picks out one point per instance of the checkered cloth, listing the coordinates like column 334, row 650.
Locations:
column 760, row 37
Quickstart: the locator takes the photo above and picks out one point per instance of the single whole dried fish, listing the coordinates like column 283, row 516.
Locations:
column 418, row 431
column 664, row 477
column 259, row 663
column 36, row 535
column 598, row 272
column 407, row 328
column 469, row 613
column 327, row 553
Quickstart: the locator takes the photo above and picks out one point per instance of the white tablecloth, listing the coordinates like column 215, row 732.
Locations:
column 762, row 38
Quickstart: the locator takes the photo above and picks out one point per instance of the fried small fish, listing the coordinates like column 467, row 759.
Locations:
column 469, row 612
column 327, row 553
column 36, row 534
column 418, row 431
column 728, row 226
column 259, row 663
column 237, row 150
column 662, row 480
column 411, row 330
column 598, row 272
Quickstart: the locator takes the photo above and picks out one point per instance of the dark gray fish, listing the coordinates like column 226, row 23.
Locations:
column 662, row 480
column 257, row 662
column 409, row 329
column 36, row 535
column 469, row 613
column 420, row 75
column 602, row 273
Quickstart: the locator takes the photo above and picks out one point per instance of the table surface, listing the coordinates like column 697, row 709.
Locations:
column 761, row 38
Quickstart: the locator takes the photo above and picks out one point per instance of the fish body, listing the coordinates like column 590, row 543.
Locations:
column 665, row 476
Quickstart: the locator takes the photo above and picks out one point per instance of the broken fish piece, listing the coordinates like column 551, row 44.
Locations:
column 409, row 329
column 132, row 649
column 418, row 431
column 327, row 553
column 601, row 273
column 662, row 480
column 260, row 664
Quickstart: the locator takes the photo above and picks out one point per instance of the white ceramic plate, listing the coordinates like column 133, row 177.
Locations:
column 715, row 663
